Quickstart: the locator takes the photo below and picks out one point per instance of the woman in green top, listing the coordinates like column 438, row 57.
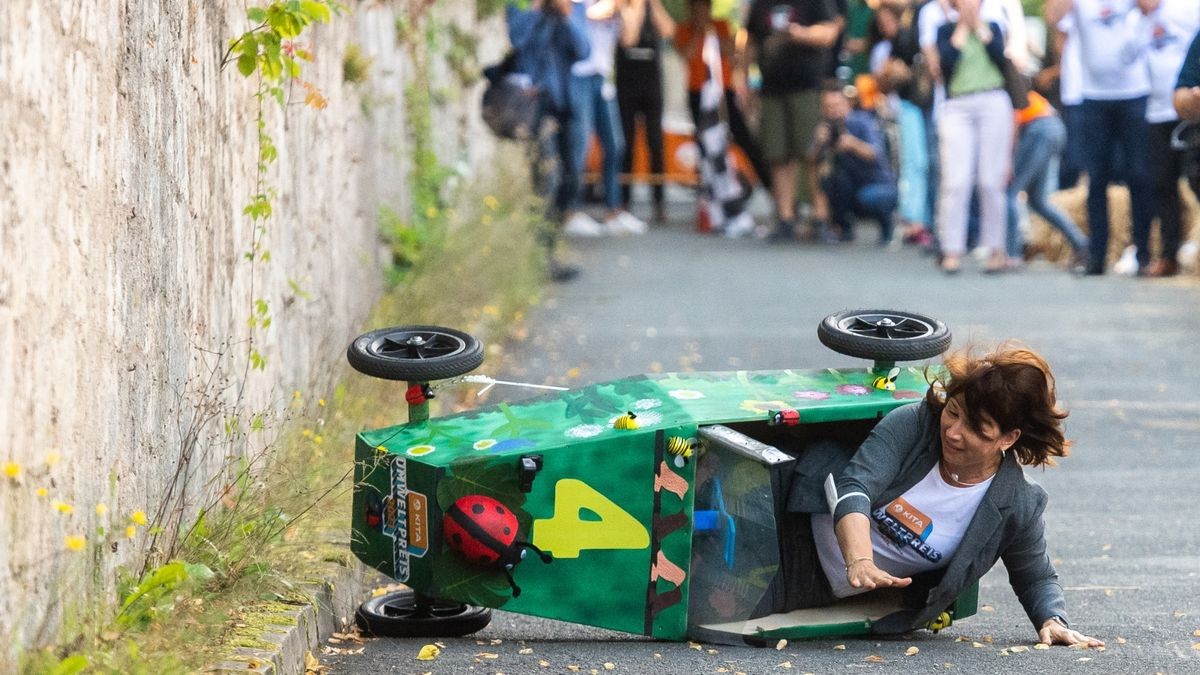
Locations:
column 976, row 135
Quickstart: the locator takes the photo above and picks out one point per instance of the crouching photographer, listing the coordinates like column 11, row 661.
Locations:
column 857, row 179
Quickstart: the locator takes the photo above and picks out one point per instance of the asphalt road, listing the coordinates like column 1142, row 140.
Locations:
column 1122, row 523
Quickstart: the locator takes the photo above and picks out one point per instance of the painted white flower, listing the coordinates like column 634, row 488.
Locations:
column 685, row 394
column 420, row 450
column 646, row 404
column 584, row 430
column 484, row 444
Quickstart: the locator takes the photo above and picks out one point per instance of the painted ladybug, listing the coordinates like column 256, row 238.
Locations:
column 484, row 532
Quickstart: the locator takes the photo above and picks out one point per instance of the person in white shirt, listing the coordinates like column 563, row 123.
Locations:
column 1163, row 32
column 1116, row 85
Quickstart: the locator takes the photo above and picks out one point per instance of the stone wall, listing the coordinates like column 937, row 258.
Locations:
column 126, row 157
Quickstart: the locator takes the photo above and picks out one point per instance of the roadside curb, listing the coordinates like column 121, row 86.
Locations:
column 290, row 636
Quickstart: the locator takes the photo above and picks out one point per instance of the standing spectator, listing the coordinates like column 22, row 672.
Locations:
column 1041, row 139
column 975, row 133
column 640, row 90
column 1163, row 33
column 1113, row 118
column 896, row 66
column 1070, row 95
column 593, row 109
column 792, row 42
column 1187, row 87
column 689, row 42
column 546, row 41
column 860, row 179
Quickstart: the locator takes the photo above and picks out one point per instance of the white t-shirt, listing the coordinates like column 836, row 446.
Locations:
column 1163, row 36
column 602, row 35
column 1111, row 70
column 917, row 532
column 1070, row 75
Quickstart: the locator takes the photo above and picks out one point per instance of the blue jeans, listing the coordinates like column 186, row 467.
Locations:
column 590, row 111
column 914, row 165
column 873, row 200
column 1035, row 173
column 1111, row 127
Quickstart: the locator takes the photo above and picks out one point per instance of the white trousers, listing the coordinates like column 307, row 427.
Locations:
column 975, row 140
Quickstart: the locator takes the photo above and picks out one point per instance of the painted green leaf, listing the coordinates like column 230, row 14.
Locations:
column 476, row 476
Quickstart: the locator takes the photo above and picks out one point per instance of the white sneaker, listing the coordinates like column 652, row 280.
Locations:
column 582, row 225
column 625, row 223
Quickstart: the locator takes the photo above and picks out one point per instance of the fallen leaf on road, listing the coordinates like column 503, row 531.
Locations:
column 912, row 651
column 696, row 645
column 1041, row 646
column 1196, row 646
column 874, row 658
column 722, row 669
column 609, row 666
column 544, row 663
column 785, row 664
column 573, row 668
column 988, row 608
column 781, row 644
column 487, row 655
column 712, row 651
column 1178, row 614
column 526, row 650
column 987, row 639
column 1121, row 640
column 840, row 648
column 962, row 638
column 496, row 642
column 1195, row 633
column 977, row 645
column 1109, row 592
column 1083, row 658
column 312, row 665
column 428, row 653
column 1004, row 652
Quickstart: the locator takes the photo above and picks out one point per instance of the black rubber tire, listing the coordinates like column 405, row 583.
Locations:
column 392, row 354
column 858, row 333
column 396, row 614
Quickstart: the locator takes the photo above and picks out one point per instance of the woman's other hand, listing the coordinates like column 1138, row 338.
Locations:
column 1053, row 632
column 864, row 574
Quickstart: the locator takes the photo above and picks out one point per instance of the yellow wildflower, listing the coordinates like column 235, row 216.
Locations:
column 75, row 542
column 431, row 212
column 52, row 458
column 491, row 202
column 318, row 440
column 12, row 470
column 307, row 433
column 321, row 402
column 138, row 517
column 42, row 492
column 130, row 531
column 101, row 509
column 63, row 507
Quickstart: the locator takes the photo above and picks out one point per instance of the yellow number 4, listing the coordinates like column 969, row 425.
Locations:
column 566, row 533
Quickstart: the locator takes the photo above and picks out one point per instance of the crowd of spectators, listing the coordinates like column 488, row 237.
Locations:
column 942, row 122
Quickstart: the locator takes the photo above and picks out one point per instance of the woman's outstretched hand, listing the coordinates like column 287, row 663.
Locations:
column 1054, row 633
column 864, row 574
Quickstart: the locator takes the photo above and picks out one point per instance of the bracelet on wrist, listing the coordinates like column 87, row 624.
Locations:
column 852, row 563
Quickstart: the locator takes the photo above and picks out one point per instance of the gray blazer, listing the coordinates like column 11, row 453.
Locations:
column 1008, row 525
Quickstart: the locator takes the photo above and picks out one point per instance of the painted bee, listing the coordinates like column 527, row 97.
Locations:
column 628, row 421
column 887, row 382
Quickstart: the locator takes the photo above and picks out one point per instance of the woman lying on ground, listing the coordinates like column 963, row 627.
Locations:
column 934, row 497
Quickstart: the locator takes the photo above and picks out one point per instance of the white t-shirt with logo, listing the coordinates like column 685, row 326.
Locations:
column 1163, row 37
column 917, row 532
column 1111, row 70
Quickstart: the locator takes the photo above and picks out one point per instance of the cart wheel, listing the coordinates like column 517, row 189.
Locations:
column 404, row 614
column 884, row 335
column 415, row 353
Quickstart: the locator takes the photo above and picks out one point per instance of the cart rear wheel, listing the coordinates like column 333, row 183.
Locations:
column 884, row 335
column 404, row 614
column 415, row 353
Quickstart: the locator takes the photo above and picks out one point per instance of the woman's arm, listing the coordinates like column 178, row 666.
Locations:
column 871, row 471
column 1034, row 580
column 663, row 22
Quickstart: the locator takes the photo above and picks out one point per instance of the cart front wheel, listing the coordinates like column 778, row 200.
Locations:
column 404, row 614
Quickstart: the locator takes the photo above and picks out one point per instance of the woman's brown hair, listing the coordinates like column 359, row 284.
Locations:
column 1015, row 388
